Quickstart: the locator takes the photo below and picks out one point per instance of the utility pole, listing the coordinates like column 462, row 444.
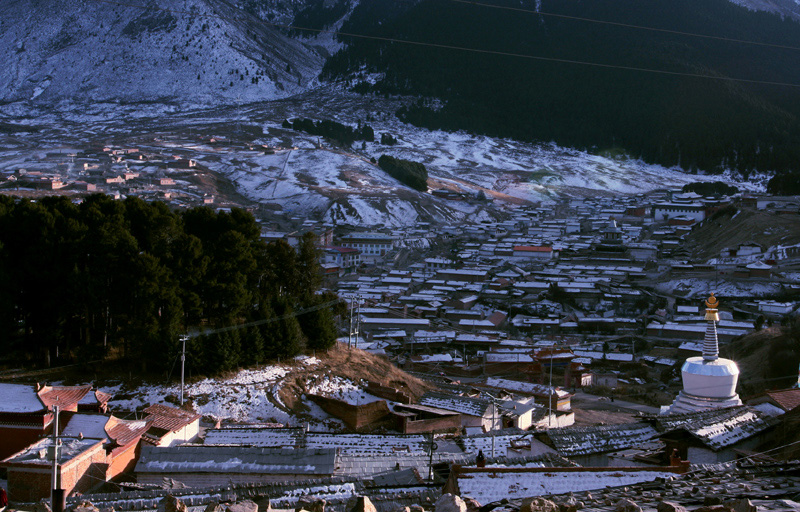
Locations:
column 350, row 329
column 358, row 319
column 551, row 391
column 433, row 446
column 183, row 362
column 57, row 494
column 494, row 413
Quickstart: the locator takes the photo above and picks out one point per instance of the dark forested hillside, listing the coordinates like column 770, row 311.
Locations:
column 81, row 282
column 671, row 119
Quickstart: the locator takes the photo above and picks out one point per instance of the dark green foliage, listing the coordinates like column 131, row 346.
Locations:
column 707, row 188
column 785, row 184
column 288, row 339
column 726, row 211
column 317, row 15
column 671, row 119
column 388, row 140
column 341, row 133
column 410, row 173
column 319, row 326
column 127, row 277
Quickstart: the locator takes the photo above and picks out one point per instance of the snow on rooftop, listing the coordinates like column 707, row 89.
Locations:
column 487, row 487
column 528, row 388
column 720, row 427
column 88, row 425
column 571, row 441
column 19, row 398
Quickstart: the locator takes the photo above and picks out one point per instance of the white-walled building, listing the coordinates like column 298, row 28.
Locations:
column 373, row 246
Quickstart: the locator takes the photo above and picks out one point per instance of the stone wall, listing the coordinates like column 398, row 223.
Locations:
column 387, row 393
column 354, row 416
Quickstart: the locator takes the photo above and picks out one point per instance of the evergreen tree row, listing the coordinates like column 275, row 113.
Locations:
column 83, row 281
column 708, row 188
column 410, row 173
column 785, row 184
column 341, row 133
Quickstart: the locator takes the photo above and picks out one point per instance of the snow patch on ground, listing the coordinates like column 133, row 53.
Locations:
column 250, row 396
column 342, row 389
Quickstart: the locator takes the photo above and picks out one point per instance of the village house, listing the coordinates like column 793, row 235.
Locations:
column 82, row 465
column 170, row 426
column 716, row 435
column 590, row 446
column 475, row 412
column 345, row 258
column 26, row 411
column 532, row 253
column 373, row 246
column 784, row 399
column 543, row 394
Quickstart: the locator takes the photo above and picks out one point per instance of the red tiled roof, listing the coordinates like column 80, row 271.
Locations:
column 96, row 397
column 497, row 318
column 787, row 399
column 63, row 396
column 342, row 250
column 124, row 432
column 532, row 248
column 169, row 418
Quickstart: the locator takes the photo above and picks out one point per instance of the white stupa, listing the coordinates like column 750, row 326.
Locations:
column 709, row 381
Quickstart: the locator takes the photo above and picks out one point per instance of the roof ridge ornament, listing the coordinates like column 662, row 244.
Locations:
column 712, row 302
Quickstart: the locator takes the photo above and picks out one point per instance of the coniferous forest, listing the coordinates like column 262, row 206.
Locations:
column 81, row 282
column 684, row 112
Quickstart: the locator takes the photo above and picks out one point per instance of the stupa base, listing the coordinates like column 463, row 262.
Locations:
column 686, row 402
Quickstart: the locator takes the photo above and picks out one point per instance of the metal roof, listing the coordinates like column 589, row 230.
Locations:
column 235, row 459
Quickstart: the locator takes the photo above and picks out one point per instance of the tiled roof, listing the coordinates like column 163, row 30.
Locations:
column 464, row 405
column 235, row 459
column 719, row 428
column 487, row 486
column 96, row 397
column 256, row 436
column 124, row 432
column 526, row 388
column 571, row 441
column 787, row 399
column 63, row 396
column 169, row 418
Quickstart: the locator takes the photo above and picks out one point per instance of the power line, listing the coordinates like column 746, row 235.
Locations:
column 627, row 25
column 267, row 320
column 497, row 53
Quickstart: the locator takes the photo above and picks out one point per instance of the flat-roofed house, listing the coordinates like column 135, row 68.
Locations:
column 26, row 411
column 475, row 412
column 82, row 464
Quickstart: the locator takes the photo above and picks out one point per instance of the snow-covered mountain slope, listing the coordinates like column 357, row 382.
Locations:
column 788, row 8
column 187, row 50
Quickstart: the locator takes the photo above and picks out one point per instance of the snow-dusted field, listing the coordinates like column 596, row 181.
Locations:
column 338, row 185
column 247, row 397
column 250, row 396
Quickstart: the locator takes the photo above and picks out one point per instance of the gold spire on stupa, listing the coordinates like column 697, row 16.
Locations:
column 712, row 305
